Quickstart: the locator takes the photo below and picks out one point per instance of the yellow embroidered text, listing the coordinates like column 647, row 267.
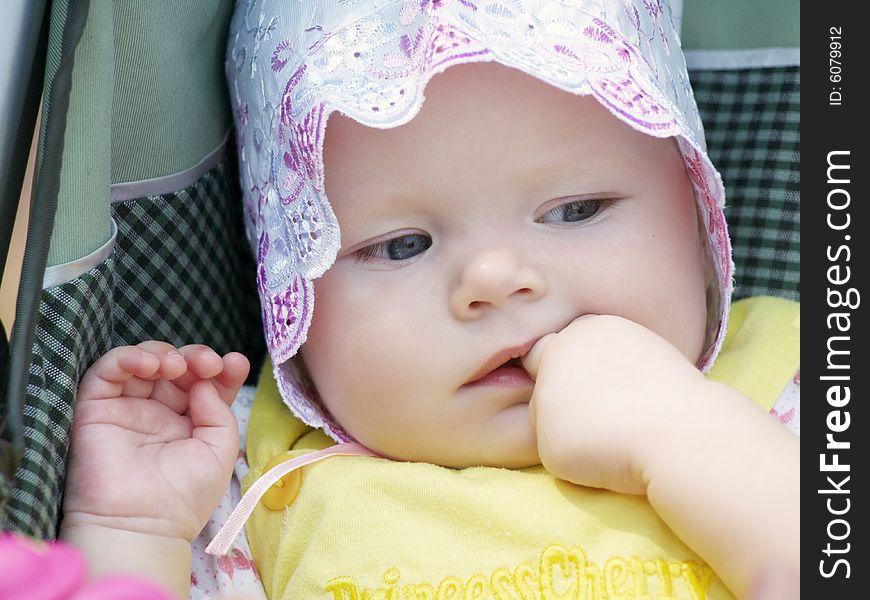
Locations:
column 561, row 573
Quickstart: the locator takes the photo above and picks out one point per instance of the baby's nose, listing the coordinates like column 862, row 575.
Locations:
column 490, row 280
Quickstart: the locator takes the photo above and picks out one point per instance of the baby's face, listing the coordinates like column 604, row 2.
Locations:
column 503, row 211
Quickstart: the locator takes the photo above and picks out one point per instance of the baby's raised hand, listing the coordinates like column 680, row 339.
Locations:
column 617, row 406
column 607, row 393
column 153, row 439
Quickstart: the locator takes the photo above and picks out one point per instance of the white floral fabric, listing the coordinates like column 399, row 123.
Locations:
column 233, row 575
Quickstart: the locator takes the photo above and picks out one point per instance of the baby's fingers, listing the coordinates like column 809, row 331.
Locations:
column 227, row 373
column 233, row 375
column 532, row 360
column 106, row 377
column 202, row 363
column 172, row 366
column 213, row 422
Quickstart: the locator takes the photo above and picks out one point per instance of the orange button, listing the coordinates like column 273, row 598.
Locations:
column 284, row 491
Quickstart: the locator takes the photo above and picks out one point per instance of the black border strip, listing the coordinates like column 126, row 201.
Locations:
column 834, row 232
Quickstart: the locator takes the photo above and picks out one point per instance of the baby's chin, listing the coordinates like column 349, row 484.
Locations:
column 512, row 449
column 509, row 459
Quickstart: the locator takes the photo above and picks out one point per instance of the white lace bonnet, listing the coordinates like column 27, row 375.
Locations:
column 291, row 63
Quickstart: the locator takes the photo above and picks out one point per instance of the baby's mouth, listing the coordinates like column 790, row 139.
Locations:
column 504, row 368
column 509, row 374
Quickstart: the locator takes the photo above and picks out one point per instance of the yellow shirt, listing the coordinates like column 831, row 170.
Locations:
column 369, row 528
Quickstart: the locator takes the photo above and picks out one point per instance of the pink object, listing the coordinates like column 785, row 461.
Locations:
column 32, row 570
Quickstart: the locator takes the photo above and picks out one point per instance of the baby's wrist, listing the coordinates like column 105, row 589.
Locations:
column 86, row 535
column 163, row 559
column 694, row 418
column 148, row 527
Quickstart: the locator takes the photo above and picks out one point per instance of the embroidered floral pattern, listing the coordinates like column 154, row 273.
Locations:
column 784, row 417
column 281, row 55
column 235, row 560
column 787, row 409
column 235, row 573
column 656, row 12
column 291, row 64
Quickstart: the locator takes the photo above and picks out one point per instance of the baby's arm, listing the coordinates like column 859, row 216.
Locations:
column 730, row 488
column 152, row 451
column 616, row 406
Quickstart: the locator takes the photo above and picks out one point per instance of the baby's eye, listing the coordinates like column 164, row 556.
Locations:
column 398, row 248
column 572, row 212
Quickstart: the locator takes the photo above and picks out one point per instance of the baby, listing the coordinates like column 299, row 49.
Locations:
column 533, row 269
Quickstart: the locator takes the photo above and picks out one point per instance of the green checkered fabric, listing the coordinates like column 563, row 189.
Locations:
column 74, row 328
column 181, row 272
column 752, row 124
column 184, row 272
